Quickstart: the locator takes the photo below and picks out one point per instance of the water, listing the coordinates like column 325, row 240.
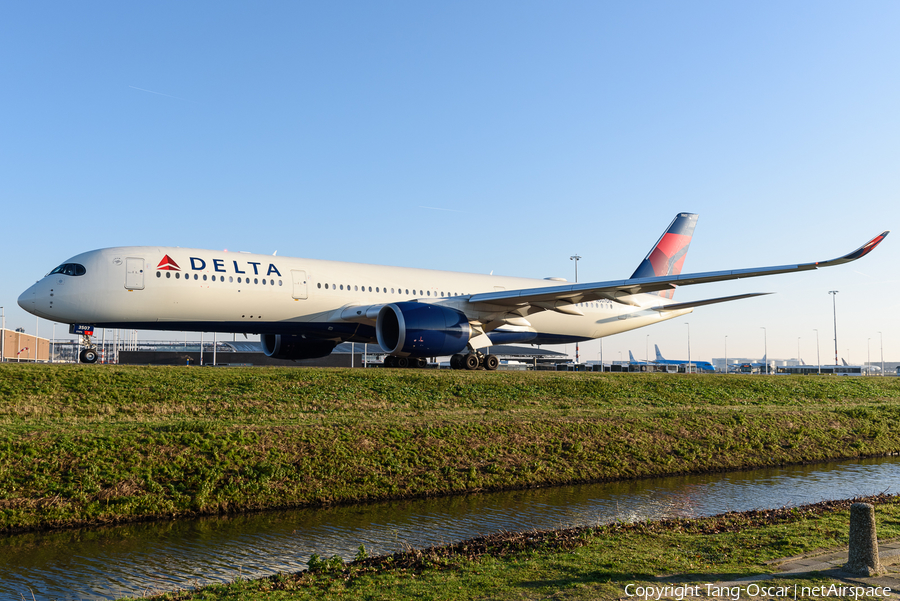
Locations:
column 131, row 560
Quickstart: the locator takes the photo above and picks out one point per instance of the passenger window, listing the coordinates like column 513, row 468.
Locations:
column 158, row 274
column 376, row 288
column 319, row 285
column 168, row 274
column 256, row 280
column 204, row 277
column 230, row 279
column 326, row 286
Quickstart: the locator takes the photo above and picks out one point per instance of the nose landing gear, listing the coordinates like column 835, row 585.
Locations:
column 89, row 353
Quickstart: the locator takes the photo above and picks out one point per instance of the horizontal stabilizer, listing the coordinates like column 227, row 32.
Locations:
column 709, row 301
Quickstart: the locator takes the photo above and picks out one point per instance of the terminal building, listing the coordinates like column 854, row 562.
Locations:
column 17, row 346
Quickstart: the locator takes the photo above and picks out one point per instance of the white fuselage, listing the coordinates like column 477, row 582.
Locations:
column 166, row 288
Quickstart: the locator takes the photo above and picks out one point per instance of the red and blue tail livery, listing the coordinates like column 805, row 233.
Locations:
column 667, row 256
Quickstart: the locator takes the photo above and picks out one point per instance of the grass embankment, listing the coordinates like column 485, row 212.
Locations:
column 585, row 563
column 99, row 444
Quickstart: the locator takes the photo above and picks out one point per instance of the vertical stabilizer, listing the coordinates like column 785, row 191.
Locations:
column 659, row 356
column 667, row 255
column 631, row 357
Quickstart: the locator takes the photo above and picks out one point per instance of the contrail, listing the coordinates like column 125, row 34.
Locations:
column 160, row 94
column 440, row 209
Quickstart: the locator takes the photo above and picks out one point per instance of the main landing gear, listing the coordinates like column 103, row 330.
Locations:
column 404, row 362
column 472, row 361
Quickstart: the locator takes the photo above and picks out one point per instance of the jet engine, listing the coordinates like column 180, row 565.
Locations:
column 293, row 347
column 408, row 329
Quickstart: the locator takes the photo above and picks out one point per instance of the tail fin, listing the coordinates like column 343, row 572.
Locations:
column 659, row 356
column 844, row 361
column 631, row 357
column 667, row 255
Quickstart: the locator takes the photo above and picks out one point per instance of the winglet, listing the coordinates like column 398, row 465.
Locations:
column 859, row 252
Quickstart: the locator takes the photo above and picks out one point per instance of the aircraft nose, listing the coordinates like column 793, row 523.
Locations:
column 26, row 300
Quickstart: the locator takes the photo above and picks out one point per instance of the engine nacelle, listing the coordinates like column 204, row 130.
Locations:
column 293, row 347
column 421, row 330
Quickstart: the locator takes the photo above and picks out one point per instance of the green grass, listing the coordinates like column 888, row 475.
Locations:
column 579, row 564
column 101, row 444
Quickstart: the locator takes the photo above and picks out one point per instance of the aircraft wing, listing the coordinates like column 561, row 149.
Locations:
column 556, row 297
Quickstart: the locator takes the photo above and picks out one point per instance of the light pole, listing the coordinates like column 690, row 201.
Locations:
column 726, row 353
column 689, row 347
column 575, row 258
column 882, row 352
column 766, row 347
column 818, row 360
column 833, row 294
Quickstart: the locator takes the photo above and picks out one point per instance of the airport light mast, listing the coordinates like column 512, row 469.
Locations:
column 833, row 294
column 766, row 347
column 818, row 360
column 689, row 347
column 726, row 354
column 575, row 258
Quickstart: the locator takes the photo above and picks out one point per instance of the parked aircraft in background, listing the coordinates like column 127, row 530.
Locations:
column 634, row 361
column 752, row 366
column 302, row 308
column 701, row 365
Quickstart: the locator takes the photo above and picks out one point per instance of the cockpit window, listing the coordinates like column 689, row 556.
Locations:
column 69, row 269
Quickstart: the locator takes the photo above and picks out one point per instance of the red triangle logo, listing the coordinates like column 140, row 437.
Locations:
column 167, row 264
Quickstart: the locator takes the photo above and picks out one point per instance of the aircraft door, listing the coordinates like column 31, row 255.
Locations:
column 299, row 278
column 134, row 273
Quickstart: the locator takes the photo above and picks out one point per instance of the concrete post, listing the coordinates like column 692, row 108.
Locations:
column 863, row 558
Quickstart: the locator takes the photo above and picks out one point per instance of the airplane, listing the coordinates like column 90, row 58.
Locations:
column 302, row 308
column 749, row 367
column 701, row 365
column 634, row 361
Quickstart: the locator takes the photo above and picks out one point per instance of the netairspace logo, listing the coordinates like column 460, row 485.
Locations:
column 753, row 591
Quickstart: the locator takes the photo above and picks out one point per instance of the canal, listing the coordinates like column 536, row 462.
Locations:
column 137, row 559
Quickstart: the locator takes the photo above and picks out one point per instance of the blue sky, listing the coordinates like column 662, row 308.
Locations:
column 503, row 136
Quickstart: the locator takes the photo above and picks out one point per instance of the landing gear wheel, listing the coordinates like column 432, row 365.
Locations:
column 88, row 355
column 390, row 361
column 421, row 362
column 402, row 362
column 491, row 362
column 456, row 361
column 471, row 361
